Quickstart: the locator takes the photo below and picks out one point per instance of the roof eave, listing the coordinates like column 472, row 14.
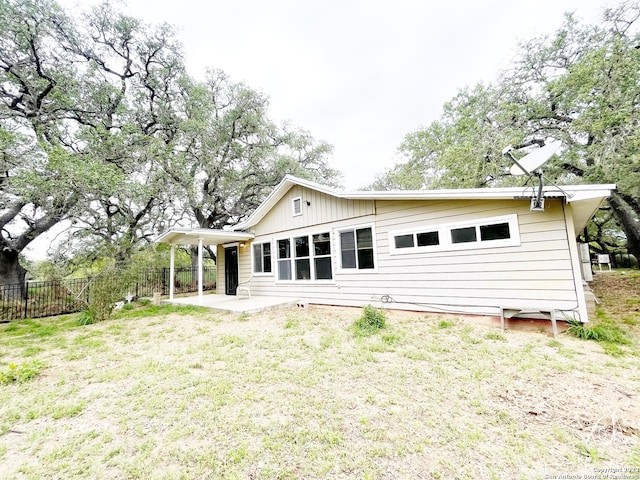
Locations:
column 192, row 236
column 572, row 193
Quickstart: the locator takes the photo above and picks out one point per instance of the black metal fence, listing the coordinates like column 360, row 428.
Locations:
column 57, row 297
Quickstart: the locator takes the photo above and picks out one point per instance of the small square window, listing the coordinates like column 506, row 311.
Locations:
column 297, row 206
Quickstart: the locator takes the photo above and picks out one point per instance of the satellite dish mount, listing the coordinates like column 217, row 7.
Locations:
column 530, row 165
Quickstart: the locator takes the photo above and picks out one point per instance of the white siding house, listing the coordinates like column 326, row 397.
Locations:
column 466, row 251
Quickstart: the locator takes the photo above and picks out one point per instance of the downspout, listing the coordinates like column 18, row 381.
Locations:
column 578, row 282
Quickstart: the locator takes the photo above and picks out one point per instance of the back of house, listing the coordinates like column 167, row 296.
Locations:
column 466, row 251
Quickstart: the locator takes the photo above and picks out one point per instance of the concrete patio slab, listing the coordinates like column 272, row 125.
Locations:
column 234, row 304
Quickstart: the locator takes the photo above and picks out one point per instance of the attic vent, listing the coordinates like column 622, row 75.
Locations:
column 297, row 206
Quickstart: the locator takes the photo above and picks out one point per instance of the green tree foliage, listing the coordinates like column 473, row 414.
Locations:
column 82, row 115
column 134, row 76
column 101, row 125
column 580, row 85
column 232, row 154
column 36, row 90
column 461, row 149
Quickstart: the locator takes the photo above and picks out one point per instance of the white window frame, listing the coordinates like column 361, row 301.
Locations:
column 444, row 234
column 289, row 259
column 312, row 267
column 262, row 274
column 338, row 249
column 293, row 206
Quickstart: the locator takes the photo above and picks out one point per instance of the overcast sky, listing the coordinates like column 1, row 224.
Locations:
column 359, row 75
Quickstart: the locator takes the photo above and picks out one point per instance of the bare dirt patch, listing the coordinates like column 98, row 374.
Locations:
column 618, row 291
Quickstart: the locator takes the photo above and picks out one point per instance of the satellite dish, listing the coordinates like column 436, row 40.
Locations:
column 527, row 164
column 530, row 165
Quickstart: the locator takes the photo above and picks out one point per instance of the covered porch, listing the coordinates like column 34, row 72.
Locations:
column 199, row 237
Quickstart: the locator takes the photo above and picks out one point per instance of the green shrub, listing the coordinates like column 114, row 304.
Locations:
column 603, row 331
column 102, row 292
column 371, row 321
column 20, row 373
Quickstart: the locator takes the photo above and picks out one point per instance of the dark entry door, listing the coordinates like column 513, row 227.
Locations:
column 231, row 270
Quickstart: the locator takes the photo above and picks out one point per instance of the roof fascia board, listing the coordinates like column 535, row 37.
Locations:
column 575, row 193
column 178, row 235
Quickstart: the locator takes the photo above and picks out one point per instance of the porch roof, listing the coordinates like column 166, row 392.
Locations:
column 191, row 236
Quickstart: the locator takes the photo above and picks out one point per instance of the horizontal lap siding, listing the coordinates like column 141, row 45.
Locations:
column 244, row 263
column 537, row 273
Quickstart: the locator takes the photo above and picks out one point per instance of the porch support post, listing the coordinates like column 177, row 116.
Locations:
column 200, row 270
column 172, row 270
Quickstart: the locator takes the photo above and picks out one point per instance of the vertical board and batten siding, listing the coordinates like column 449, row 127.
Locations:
column 536, row 274
column 323, row 209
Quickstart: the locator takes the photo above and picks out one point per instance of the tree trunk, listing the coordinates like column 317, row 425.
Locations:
column 628, row 217
column 12, row 273
column 207, row 252
column 193, row 253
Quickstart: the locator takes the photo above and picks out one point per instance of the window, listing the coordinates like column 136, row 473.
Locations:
column 309, row 259
column 284, row 260
column 404, row 241
column 463, row 235
column 483, row 233
column 303, row 264
column 322, row 256
column 297, row 206
column 428, row 239
column 262, row 258
column 356, row 249
column 420, row 239
column 495, row 231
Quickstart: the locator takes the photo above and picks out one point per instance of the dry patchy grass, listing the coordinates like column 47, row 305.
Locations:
column 619, row 295
column 295, row 394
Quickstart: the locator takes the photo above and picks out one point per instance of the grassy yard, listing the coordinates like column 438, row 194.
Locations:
column 168, row 393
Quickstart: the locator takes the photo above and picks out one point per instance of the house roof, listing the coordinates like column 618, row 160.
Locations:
column 585, row 199
column 191, row 236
